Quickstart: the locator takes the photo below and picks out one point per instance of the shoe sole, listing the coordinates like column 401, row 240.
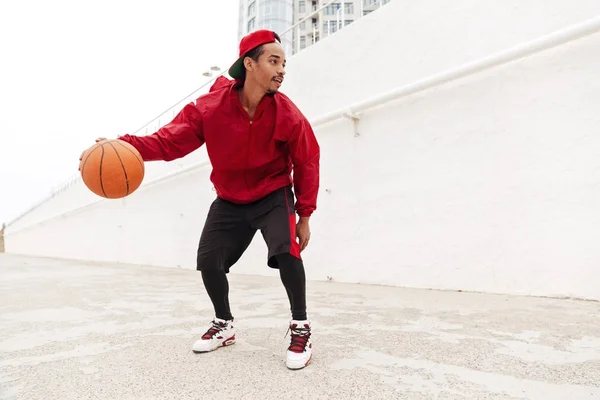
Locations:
column 226, row 342
column 300, row 366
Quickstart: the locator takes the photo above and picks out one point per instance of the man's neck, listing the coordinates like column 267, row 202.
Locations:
column 250, row 97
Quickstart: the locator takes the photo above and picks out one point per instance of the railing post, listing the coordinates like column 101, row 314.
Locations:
column 2, row 238
column 355, row 118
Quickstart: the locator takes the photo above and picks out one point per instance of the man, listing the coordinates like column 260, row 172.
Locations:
column 255, row 138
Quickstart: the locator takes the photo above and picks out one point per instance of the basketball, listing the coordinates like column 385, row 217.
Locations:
column 112, row 169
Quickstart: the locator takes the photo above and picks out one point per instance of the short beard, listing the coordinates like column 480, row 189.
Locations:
column 271, row 92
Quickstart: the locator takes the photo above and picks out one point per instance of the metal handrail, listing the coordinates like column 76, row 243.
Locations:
column 297, row 24
column 545, row 42
column 525, row 49
column 77, row 178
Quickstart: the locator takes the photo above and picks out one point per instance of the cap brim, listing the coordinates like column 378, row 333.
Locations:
column 236, row 71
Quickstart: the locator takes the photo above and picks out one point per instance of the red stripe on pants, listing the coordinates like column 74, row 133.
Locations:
column 294, row 246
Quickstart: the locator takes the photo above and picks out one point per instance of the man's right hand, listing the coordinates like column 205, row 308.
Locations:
column 83, row 152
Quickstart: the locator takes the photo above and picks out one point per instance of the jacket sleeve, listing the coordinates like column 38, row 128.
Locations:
column 176, row 139
column 305, row 154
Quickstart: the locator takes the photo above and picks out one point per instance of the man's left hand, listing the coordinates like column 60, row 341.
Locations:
column 303, row 232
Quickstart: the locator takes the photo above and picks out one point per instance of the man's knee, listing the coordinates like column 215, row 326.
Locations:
column 210, row 261
column 285, row 260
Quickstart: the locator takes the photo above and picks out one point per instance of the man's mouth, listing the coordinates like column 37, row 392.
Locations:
column 278, row 79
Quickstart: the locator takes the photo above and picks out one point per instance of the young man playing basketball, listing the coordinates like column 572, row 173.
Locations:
column 255, row 138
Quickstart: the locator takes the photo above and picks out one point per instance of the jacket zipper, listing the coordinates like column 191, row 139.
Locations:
column 247, row 157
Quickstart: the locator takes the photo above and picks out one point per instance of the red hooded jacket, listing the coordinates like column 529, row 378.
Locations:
column 250, row 158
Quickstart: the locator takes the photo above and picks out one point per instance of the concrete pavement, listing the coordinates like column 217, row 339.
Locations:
column 76, row 330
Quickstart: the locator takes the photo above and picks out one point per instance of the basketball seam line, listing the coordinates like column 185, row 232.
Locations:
column 95, row 147
column 122, row 166
column 102, row 159
column 128, row 149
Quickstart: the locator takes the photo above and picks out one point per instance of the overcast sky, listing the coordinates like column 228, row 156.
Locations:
column 71, row 71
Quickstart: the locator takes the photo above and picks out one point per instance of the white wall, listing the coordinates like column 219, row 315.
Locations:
column 408, row 40
column 489, row 183
column 402, row 42
column 75, row 195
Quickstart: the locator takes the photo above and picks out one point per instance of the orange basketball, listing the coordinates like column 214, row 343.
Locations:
column 112, row 169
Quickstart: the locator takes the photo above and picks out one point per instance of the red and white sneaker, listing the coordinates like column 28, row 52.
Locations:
column 299, row 353
column 221, row 333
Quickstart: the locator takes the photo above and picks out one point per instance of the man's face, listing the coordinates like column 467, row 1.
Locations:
column 268, row 72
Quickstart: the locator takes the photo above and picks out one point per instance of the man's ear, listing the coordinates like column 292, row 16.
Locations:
column 248, row 64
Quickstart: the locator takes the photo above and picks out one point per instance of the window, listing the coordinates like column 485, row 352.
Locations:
column 331, row 9
column 303, row 25
column 251, row 24
column 302, row 6
column 330, row 27
column 252, row 9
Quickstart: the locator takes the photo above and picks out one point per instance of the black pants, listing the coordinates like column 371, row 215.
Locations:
column 229, row 230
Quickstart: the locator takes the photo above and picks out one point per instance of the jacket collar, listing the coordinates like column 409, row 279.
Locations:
column 235, row 99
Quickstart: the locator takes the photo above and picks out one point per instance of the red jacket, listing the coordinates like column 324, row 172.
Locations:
column 250, row 159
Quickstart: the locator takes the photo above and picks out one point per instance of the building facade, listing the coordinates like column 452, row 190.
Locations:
column 276, row 15
column 301, row 23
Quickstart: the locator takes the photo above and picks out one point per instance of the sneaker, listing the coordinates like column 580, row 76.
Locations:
column 221, row 333
column 299, row 353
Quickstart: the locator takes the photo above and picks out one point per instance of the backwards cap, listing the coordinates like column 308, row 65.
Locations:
column 248, row 43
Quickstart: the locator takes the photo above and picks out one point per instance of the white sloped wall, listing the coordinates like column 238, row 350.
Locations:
column 488, row 183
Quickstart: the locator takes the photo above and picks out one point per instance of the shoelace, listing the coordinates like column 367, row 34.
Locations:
column 213, row 330
column 299, row 339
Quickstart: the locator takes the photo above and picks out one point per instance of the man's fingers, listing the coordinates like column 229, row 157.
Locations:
column 303, row 243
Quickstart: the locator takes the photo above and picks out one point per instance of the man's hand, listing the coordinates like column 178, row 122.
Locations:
column 83, row 152
column 303, row 232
